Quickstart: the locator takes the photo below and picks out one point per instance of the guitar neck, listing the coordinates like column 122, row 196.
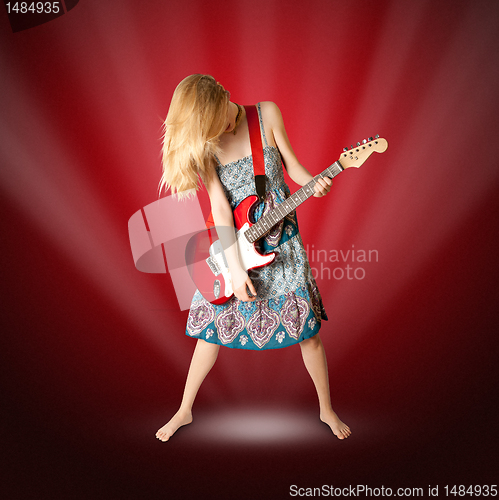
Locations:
column 270, row 219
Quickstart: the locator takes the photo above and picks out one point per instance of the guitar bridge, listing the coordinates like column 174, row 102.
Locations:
column 213, row 265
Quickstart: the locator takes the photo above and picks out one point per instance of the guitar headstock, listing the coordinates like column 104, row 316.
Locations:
column 356, row 156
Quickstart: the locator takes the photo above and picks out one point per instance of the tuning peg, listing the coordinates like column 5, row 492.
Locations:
column 364, row 141
column 345, row 149
column 358, row 144
column 377, row 136
column 370, row 139
column 351, row 146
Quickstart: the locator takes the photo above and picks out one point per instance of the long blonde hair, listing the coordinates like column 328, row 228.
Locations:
column 196, row 119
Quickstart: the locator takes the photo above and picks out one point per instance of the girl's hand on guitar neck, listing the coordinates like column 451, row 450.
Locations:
column 322, row 187
column 241, row 282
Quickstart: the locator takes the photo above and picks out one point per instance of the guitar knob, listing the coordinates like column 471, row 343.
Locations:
column 377, row 136
column 370, row 139
column 364, row 141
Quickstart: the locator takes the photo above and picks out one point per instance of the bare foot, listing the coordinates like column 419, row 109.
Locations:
column 178, row 420
column 340, row 430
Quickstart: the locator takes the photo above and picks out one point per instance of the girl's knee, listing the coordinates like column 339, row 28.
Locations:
column 314, row 341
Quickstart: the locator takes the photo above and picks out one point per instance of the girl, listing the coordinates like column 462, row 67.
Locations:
column 207, row 136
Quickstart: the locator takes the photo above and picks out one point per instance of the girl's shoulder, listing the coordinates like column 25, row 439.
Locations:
column 268, row 107
column 271, row 114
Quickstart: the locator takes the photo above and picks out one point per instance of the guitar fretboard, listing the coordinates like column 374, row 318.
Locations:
column 270, row 219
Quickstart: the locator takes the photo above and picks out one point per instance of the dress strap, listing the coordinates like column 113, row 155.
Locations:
column 218, row 161
column 261, row 125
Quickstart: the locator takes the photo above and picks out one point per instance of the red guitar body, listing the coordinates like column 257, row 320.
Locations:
column 207, row 264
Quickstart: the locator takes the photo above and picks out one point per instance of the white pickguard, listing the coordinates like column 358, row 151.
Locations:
column 248, row 257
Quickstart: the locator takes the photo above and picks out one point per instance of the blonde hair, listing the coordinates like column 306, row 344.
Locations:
column 196, row 119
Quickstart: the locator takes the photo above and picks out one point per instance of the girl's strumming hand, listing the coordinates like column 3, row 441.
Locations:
column 241, row 282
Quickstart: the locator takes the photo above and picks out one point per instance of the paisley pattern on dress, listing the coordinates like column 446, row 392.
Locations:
column 230, row 323
column 294, row 314
column 288, row 307
column 274, row 235
column 201, row 314
column 262, row 324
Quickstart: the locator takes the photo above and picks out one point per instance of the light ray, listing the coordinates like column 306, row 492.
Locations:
column 79, row 225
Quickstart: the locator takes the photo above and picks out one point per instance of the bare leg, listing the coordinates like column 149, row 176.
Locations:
column 314, row 358
column 204, row 357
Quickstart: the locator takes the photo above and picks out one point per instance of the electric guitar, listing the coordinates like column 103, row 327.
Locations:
column 204, row 252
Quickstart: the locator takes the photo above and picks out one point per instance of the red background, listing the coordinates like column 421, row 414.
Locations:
column 94, row 352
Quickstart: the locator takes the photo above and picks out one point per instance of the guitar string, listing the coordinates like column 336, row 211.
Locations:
column 255, row 231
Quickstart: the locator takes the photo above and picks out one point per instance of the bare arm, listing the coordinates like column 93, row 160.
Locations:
column 298, row 173
column 224, row 223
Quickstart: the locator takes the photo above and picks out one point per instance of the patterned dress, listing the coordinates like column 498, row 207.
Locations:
column 288, row 307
